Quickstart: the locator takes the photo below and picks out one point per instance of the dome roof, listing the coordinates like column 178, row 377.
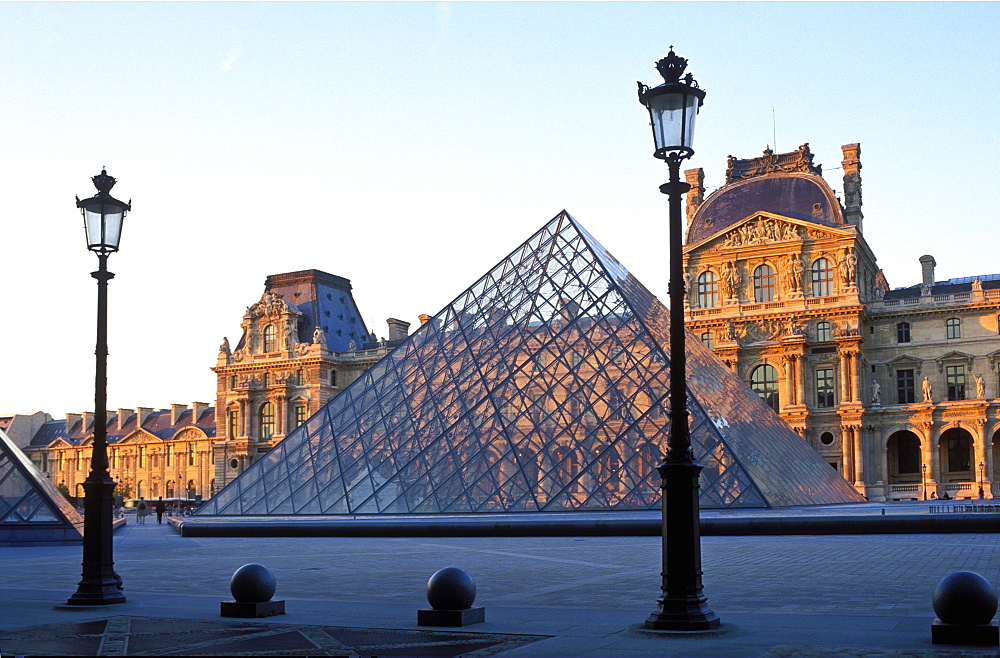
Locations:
column 799, row 195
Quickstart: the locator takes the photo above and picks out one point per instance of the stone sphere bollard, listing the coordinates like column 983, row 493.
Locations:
column 451, row 589
column 966, row 598
column 252, row 583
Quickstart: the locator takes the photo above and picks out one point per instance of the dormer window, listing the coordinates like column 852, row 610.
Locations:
column 269, row 338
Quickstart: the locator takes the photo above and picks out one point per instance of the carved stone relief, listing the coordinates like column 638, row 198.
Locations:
column 763, row 231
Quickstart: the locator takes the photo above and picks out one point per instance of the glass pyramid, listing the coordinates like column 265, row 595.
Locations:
column 31, row 509
column 542, row 387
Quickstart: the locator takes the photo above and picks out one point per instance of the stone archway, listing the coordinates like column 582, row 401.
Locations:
column 957, row 461
column 904, row 463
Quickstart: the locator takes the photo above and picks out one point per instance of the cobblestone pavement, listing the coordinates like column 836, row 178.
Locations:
column 782, row 595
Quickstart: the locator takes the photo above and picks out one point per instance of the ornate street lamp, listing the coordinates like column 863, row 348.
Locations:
column 923, row 479
column 982, row 479
column 102, row 217
column 673, row 107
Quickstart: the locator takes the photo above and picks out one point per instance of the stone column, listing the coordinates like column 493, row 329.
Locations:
column 846, row 448
column 855, row 376
column 982, row 454
column 844, row 378
column 860, row 465
column 800, row 389
column 935, row 464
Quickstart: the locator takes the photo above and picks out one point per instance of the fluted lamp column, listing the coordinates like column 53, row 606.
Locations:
column 100, row 585
column 673, row 107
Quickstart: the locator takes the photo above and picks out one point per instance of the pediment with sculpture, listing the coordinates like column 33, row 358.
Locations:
column 765, row 229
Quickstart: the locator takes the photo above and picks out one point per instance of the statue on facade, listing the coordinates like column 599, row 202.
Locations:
column 876, row 394
column 795, row 268
column 352, row 346
column 319, row 338
column 730, row 279
column 928, row 391
column 980, row 386
column 848, row 267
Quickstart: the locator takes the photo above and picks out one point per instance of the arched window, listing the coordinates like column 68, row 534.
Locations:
column 269, row 341
column 903, row 332
column 266, row 421
column 170, row 489
column 764, row 382
column 822, row 278
column 824, row 331
column 763, row 284
column 708, row 290
column 957, row 450
column 953, row 327
column 709, row 339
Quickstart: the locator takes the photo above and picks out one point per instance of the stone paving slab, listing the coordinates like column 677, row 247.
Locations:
column 830, row 595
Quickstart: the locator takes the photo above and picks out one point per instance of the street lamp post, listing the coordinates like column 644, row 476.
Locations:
column 673, row 107
column 100, row 585
column 923, row 479
column 982, row 479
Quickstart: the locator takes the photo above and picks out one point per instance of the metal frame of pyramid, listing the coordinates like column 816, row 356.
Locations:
column 542, row 387
column 32, row 511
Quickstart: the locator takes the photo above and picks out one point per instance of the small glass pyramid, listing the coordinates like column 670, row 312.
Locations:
column 31, row 509
column 542, row 387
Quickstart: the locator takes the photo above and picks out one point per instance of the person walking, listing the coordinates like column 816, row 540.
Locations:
column 160, row 505
column 140, row 514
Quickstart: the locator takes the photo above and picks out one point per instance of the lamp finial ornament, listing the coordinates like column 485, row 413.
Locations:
column 103, row 182
column 671, row 67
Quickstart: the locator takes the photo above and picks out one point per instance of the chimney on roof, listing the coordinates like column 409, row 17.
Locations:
column 175, row 412
column 88, row 420
column 398, row 330
column 852, row 184
column 141, row 414
column 696, row 179
column 927, row 264
column 197, row 409
column 71, row 421
column 123, row 416
column 423, row 317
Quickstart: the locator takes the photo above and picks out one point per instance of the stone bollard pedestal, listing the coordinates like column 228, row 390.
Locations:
column 252, row 586
column 965, row 604
column 451, row 593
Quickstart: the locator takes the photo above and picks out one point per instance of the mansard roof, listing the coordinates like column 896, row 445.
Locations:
column 786, row 184
column 949, row 287
column 156, row 423
column 325, row 301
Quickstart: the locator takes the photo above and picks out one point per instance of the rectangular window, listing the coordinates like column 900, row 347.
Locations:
column 903, row 332
column 333, row 378
column 232, row 382
column 824, row 388
column 233, row 424
column 709, row 339
column 300, row 414
column 300, row 378
column 905, row 391
column 142, row 457
column 170, row 455
column 955, row 377
column 191, row 455
column 953, row 328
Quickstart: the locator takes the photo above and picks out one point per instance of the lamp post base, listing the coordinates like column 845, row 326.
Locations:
column 100, row 584
column 683, row 615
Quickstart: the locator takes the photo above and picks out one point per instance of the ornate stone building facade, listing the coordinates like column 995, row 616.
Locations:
column 300, row 345
column 897, row 389
column 150, row 453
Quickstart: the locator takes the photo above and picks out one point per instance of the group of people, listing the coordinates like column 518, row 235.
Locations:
column 145, row 508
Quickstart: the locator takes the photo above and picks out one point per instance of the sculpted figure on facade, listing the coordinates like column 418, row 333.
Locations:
column 876, row 393
column 795, row 269
column 848, row 267
column 980, row 386
column 319, row 338
column 927, row 390
column 730, row 279
column 352, row 346
column 224, row 350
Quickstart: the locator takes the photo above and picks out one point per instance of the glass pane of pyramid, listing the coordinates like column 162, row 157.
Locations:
column 31, row 508
column 542, row 387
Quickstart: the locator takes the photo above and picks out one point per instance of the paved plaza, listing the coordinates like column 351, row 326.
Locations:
column 544, row 596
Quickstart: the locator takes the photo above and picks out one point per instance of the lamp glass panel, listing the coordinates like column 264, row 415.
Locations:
column 104, row 225
column 673, row 118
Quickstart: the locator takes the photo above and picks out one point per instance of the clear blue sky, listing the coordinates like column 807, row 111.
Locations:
column 410, row 146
